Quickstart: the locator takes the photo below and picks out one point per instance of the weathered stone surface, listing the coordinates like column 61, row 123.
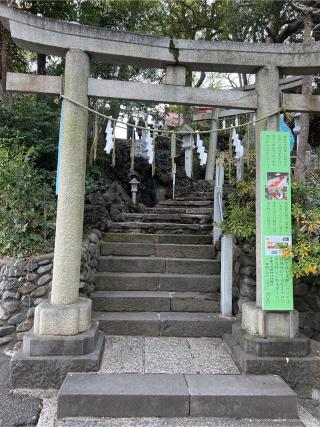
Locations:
column 75, row 345
column 44, row 262
column 271, row 347
column 8, row 295
column 248, row 270
column 6, row 330
column 315, row 321
column 3, row 314
column 43, row 280
column 44, row 269
column 24, row 326
column 247, row 291
column 298, row 371
column 11, row 306
column 124, row 395
column 131, row 301
column 5, row 340
column 300, row 289
column 132, row 264
column 27, row 288
column 193, row 325
column 144, row 324
column 17, row 318
column 195, row 302
column 12, row 284
column 50, row 372
column 253, row 397
column 39, row 292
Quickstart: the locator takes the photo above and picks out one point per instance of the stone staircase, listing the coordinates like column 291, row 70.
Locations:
column 159, row 276
column 158, row 273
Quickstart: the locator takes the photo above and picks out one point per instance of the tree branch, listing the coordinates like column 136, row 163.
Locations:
column 201, row 79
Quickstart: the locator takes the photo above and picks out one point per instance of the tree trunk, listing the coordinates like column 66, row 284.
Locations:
column 213, row 138
column 41, row 64
column 300, row 167
column 4, row 57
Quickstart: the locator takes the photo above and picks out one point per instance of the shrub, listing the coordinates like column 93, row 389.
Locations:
column 239, row 219
column 27, row 202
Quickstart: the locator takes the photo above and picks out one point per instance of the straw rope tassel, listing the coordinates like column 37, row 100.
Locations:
column 133, row 149
column 173, row 163
column 113, row 163
column 191, row 157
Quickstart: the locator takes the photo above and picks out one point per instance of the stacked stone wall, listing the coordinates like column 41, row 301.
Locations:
column 306, row 294
column 25, row 283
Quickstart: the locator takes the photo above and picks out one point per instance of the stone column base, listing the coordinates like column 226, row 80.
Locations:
column 45, row 360
column 269, row 323
column 292, row 359
column 69, row 319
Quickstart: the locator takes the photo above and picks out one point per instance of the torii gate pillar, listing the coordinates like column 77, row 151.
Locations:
column 62, row 326
column 66, row 314
column 254, row 319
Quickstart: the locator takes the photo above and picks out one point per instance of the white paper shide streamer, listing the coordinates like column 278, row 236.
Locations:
column 149, row 147
column 201, row 150
column 109, row 138
column 237, row 144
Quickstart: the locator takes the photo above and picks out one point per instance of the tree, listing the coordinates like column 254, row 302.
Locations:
column 62, row 10
column 307, row 13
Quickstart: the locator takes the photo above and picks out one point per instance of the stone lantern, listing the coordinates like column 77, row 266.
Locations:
column 134, row 189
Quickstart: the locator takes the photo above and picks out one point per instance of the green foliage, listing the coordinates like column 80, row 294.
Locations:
column 35, row 121
column 240, row 221
column 27, row 202
column 94, row 180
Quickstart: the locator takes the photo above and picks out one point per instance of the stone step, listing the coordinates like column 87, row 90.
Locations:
column 193, row 218
column 128, row 395
column 181, row 239
column 155, row 301
column 160, row 227
column 158, row 249
column 158, row 265
column 181, row 210
column 166, row 324
column 188, row 203
column 157, row 281
column 195, row 196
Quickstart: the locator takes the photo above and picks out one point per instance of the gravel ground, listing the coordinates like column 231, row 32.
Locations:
column 15, row 410
column 149, row 355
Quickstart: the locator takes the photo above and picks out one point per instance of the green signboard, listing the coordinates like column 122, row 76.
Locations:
column 276, row 233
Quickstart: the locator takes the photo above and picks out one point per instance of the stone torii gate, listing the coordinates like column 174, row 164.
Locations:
column 63, row 326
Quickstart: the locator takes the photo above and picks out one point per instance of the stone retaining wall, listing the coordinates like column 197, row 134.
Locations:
column 25, row 283
column 306, row 295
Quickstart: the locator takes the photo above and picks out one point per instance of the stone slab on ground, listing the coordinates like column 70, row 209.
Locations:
column 194, row 324
column 165, row 395
column 124, row 395
column 134, row 264
column 155, row 301
column 166, row 355
column 244, row 396
column 170, row 324
column 135, row 323
column 175, row 422
column 50, row 371
column 189, row 239
column 15, row 410
column 114, row 281
column 157, row 249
